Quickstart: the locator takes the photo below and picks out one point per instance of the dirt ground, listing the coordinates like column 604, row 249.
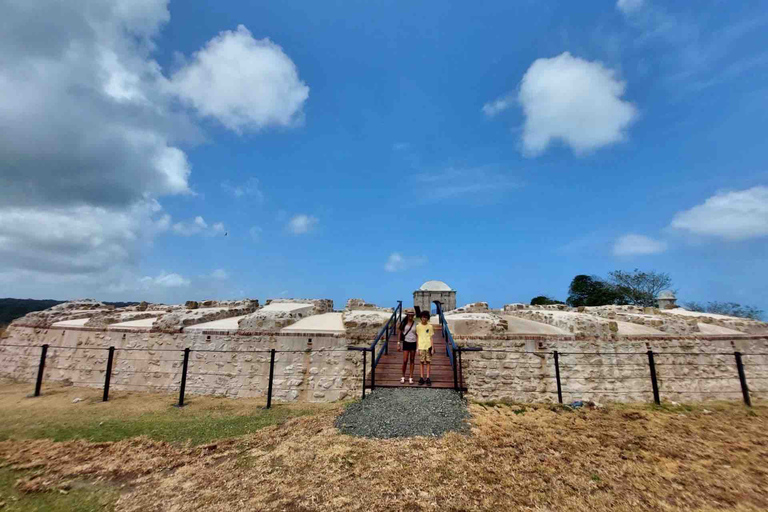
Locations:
column 621, row 458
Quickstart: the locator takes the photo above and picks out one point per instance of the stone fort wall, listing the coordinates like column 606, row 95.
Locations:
column 688, row 369
column 220, row 363
column 513, row 367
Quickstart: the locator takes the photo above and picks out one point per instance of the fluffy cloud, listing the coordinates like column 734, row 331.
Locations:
column 164, row 280
column 91, row 133
column 397, row 262
column 301, row 224
column 573, row 100
column 76, row 240
column 736, row 215
column 242, row 82
column 634, row 245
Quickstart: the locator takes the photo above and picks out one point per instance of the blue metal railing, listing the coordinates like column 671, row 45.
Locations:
column 453, row 350
column 387, row 330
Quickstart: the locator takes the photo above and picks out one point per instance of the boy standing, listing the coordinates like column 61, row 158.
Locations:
column 424, row 331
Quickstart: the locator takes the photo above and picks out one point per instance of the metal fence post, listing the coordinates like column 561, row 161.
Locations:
column 271, row 377
column 654, row 383
column 455, row 372
column 108, row 376
column 183, row 378
column 40, row 370
column 742, row 379
column 557, row 377
column 373, row 369
column 461, row 376
column 365, row 353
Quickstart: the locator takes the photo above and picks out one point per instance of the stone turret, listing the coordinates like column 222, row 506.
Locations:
column 667, row 300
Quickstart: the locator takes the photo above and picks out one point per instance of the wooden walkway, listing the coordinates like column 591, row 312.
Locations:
column 389, row 369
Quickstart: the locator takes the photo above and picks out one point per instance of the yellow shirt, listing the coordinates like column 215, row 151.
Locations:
column 424, row 332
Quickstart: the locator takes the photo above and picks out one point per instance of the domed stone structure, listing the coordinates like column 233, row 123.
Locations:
column 432, row 291
column 666, row 300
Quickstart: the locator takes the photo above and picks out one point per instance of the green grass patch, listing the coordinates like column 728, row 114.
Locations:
column 204, row 418
column 172, row 426
column 83, row 497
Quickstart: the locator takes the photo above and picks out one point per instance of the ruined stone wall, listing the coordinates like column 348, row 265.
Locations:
column 522, row 368
column 320, row 371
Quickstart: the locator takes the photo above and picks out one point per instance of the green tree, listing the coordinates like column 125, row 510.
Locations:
column 592, row 291
column 543, row 300
column 640, row 288
column 726, row 308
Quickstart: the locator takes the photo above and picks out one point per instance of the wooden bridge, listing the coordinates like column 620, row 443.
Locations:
column 390, row 366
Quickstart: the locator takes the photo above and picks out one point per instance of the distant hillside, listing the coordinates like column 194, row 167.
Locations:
column 11, row 309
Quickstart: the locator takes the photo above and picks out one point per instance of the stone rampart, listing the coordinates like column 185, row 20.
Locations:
column 317, row 367
column 689, row 369
column 221, row 363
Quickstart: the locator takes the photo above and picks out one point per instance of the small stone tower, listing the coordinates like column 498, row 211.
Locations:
column 432, row 291
column 667, row 300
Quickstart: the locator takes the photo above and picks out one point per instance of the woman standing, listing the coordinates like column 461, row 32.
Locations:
column 406, row 342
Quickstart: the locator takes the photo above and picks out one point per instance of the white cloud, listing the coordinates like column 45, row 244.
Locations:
column 242, row 82
column 477, row 184
column 77, row 240
column 736, row 215
column 301, row 224
column 397, row 262
column 250, row 188
column 499, row 105
column 573, row 100
column 633, row 245
column 91, row 134
column 164, row 280
column 220, row 274
column 400, row 146
column 629, row 6
column 197, row 226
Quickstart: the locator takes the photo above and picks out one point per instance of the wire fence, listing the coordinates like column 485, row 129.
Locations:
column 108, row 366
column 637, row 376
column 672, row 375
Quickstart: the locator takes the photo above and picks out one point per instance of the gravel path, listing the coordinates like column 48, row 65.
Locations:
column 405, row 412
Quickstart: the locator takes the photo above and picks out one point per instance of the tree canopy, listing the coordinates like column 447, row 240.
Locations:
column 640, row 288
column 592, row 291
column 543, row 300
column 726, row 308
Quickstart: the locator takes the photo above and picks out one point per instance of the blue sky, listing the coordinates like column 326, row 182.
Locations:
column 367, row 147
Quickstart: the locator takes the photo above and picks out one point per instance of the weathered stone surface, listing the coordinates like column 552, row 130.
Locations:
column 173, row 322
column 365, row 323
column 72, row 310
column 360, row 304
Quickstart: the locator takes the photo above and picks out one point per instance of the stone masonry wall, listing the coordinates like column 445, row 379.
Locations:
column 152, row 361
column 512, row 367
column 703, row 368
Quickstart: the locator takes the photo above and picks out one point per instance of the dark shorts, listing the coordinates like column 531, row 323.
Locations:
column 409, row 346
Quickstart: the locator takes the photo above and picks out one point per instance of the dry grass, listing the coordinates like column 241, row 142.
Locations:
column 619, row 458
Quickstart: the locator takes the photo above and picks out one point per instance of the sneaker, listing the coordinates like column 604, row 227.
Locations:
column 429, row 382
column 421, row 381
column 410, row 380
column 402, row 380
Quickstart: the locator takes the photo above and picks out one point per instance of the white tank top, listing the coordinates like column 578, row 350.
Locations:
column 410, row 335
